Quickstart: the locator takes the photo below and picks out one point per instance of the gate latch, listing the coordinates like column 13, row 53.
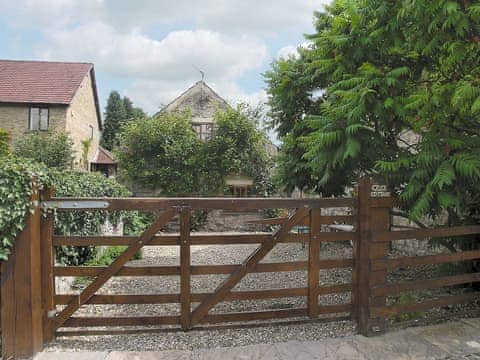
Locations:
column 75, row 204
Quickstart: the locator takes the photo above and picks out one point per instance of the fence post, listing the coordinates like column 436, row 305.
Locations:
column 314, row 262
column 372, row 216
column 185, row 297
column 21, row 291
column 47, row 253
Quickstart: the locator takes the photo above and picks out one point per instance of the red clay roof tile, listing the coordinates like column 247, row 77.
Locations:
column 40, row 82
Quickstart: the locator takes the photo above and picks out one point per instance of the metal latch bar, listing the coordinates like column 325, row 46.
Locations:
column 75, row 204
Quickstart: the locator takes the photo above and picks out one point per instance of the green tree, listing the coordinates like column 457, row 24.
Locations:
column 160, row 153
column 117, row 112
column 54, row 149
column 115, row 116
column 237, row 147
column 400, row 99
column 132, row 112
column 4, row 142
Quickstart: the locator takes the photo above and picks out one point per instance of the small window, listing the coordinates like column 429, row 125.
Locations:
column 38, row 119
column 204, row 131
column 90, row 132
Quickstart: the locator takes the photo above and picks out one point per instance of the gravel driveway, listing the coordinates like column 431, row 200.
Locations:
column 206, row 338
column 212, row 337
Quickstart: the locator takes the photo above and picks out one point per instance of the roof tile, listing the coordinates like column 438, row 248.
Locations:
column 40, row 82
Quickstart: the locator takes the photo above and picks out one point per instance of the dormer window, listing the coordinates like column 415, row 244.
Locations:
column 38, row 118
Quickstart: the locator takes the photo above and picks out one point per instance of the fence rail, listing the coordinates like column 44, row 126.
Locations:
column 33, row 313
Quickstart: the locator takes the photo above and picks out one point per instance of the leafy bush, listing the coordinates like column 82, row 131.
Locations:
column 16, row 176
column 160, row 153
column 53, row 149
column 164, row 154
column 4, row 142
column 84, row 223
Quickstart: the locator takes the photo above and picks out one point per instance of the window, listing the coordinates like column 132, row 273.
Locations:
column 90, row 132
column 38, row 119
column 204, row 131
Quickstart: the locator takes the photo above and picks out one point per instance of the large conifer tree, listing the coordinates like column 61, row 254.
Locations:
column 115, row 115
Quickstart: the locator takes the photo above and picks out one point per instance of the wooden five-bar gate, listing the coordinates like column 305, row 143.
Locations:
column 33, row 314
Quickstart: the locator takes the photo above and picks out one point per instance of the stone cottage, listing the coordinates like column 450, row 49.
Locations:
column 202, row 101
column 41, row 96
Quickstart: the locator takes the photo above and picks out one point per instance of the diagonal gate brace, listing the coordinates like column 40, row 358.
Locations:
column 248, row 265
column 114, row 267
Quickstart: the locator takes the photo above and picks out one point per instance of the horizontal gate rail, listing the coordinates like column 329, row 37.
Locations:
column 197, row 239
column 196, row 297
column 391, row 264
column 146, row 204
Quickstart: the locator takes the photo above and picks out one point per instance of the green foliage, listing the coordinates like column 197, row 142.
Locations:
column 54, row 149
column 160, row 153
column 137, row 222
column 84, row 223
column 399, row 98
column 4, row 142
column 236, row 148
column 405, row 299
column 165, row 154
column 108, row 256
column 16, row 175
column 118, row 112
column 15, row 191
column 85, row 149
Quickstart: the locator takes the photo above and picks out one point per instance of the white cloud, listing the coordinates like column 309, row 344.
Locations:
column 41, row 14
column 226, row 16
column 129, row 41
column 292, row 50
column 171, row 58
column 222, row 15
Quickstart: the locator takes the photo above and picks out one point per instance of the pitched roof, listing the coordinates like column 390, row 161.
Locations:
column 44, row 82
column 192, row 96
column 104, row 156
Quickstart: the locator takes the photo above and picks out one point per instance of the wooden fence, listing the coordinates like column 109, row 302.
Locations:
column 33, row 314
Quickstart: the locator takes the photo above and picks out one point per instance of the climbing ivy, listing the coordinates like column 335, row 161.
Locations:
column 16, row 188
column 16, row 176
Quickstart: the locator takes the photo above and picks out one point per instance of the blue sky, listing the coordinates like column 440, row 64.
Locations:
column 147, row 49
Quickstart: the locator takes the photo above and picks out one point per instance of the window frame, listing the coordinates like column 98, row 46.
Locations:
column 39, row 108
column 90, row 132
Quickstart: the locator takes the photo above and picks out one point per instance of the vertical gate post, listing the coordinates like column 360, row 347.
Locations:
column 314, row 262
column 47, row 254
column 185, row 300
column 21, row 291
column 372, row 216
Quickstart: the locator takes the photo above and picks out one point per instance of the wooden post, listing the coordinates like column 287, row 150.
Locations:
column 185, row 268
column 47, row 253
column 314, row 262
column 371, row 218
column 21, row 291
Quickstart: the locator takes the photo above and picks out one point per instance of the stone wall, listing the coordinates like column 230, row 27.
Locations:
column 14, row 119
column 224, row 221
column 81, row 115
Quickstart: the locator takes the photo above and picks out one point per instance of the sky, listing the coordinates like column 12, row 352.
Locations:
column 150, row 50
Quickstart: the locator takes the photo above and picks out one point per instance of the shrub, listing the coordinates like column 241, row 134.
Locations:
column 16, row 176
column 55, row 150
column 84, row 223
column 4, row 142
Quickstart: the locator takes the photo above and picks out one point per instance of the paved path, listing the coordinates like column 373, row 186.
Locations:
column 452, row 341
